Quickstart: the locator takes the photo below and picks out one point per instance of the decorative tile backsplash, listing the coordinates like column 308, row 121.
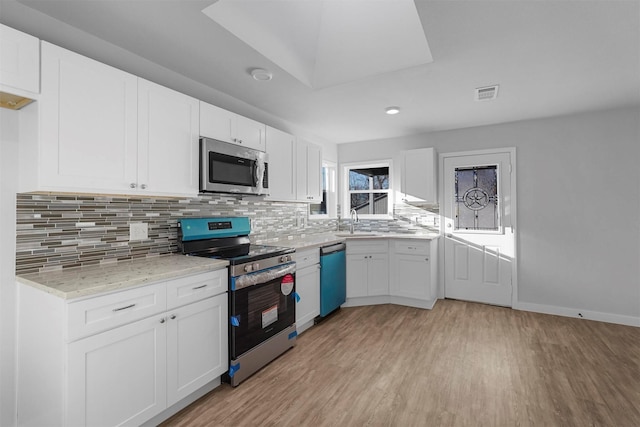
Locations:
column 56, row 231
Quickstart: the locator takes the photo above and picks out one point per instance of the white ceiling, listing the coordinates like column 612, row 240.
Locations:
column 323, row 43
column 549, row 57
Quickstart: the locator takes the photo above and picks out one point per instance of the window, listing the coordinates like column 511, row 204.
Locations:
column 328, row 207
column 368, row 189
column 476, row 198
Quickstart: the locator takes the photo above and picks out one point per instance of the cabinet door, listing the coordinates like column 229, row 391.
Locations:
column 19, row 60
column 216, row 122
column 167, row 141
column 419, row 175
column 309, row 171
column 88, row 116
column 118, row 377
column 411, row 276
column 357, row 276
column 378, row 274
column 282, row 165
column 314, row 173
column 196, row 346
column 308, row 287
column 249, row 133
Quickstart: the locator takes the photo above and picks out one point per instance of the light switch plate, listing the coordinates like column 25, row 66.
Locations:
column 138, row 231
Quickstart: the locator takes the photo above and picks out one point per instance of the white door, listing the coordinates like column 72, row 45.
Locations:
column 478, row 218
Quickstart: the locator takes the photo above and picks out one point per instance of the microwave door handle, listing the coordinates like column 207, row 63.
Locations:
column 258, row 174
column 255, row 174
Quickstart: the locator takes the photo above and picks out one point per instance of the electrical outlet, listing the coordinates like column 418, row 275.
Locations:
column 138, row 231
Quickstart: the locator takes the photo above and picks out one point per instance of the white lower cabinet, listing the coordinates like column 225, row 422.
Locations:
column 308, row 288
column 196, row 346
column 107, row 372
column 118, row 377
column 367, row 268
column 410, row 270
column 396, row 271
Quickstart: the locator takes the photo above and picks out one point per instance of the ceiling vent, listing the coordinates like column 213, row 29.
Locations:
column 486, row 93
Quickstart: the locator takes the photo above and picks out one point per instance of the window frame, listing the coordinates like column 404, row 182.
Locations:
column 344, row 187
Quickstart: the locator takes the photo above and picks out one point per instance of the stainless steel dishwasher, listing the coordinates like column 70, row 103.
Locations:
column 333, row 278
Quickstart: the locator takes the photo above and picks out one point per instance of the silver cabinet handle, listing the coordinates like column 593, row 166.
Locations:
column 200, row 287
column 132, row 185
column 162, row 320
column 173, row 316
column 143, row 186
column 124, row 308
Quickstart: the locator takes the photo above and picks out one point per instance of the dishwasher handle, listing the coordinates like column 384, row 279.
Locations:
column 326, row 250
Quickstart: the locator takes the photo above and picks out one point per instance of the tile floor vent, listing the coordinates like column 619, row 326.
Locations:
column 486, row 93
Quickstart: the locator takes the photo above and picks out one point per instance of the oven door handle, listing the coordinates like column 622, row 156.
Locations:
column 260, row 277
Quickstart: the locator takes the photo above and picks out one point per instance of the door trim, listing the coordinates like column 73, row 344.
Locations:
column 514, row 215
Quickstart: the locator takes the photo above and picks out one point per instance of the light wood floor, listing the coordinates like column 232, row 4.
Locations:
column 460, row 364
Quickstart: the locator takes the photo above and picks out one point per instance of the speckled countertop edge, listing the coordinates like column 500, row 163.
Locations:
column 93, row 280
column 318, row 240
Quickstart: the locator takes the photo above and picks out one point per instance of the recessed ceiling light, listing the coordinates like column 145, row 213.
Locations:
column 261, row 74
column 392, row 110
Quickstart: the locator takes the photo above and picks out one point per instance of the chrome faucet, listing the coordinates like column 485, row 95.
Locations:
column 353, row 214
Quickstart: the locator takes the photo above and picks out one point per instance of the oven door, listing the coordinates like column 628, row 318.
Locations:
column 261, row 310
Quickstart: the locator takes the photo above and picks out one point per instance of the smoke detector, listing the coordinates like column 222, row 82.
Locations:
column 261, row 74
column 487, row 93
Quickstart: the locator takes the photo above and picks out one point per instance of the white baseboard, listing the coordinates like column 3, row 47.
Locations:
column 303, row 327
column 580, row 314
column 389, row 299
column 179, row 406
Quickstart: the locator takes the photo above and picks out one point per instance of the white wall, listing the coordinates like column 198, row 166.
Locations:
column 9, row 125
column 578, row 189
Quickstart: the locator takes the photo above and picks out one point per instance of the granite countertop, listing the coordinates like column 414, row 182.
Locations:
column 317, row 240
column 92, row 280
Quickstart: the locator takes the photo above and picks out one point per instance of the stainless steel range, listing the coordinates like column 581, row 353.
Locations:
column 262, row 294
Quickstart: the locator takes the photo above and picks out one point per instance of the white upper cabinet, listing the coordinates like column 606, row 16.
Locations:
column 295, row 168
column 309, row 172
column 223, row 125
column 282, row 165
column 168, row 133
column 250, row 133
column 216, row 122
column 102, row 130
column 419, row 182
column 88, row 124
column 19, row 62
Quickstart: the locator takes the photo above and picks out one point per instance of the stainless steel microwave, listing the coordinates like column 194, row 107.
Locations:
column 229, row 168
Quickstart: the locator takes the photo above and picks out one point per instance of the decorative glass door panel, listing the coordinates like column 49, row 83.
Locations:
column 476, row 199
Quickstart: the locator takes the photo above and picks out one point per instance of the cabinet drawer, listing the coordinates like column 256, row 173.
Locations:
column 410, row 247
column 90, row 316
column 368, row 247
column 307, row 258
column 195, row 288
